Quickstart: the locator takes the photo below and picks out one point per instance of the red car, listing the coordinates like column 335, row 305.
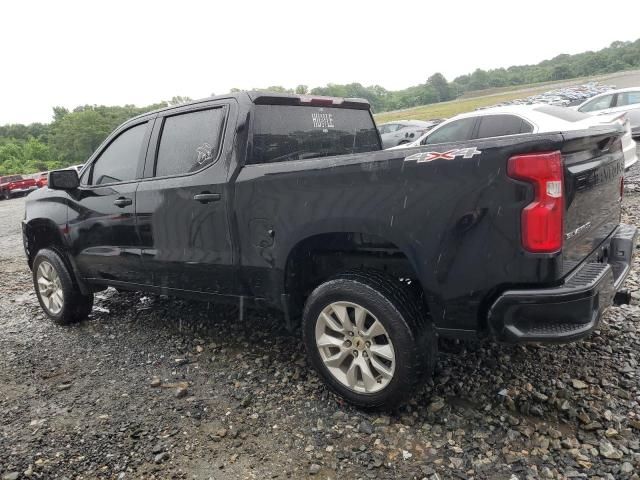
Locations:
column 13, row 185
column 42, row 179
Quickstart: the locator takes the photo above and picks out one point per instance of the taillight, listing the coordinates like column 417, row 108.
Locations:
column 542, row 219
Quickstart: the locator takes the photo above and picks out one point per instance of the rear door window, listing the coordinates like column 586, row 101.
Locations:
column 190, row 141
column 456, row 131
column 292, row 132
column 119, row 161
column 501, row 125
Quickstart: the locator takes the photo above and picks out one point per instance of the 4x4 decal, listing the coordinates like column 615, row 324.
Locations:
column 421, row 157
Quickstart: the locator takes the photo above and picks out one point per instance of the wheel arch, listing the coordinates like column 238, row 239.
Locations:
column 321, row 255
column 42, row 233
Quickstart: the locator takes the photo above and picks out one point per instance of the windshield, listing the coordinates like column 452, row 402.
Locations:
column 291, row 132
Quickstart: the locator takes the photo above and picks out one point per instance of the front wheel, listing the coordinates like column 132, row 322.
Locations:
column 366, row 335
column 59, row 296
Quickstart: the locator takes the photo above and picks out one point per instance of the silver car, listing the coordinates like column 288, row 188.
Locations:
column 403, row 131
column 625, row 100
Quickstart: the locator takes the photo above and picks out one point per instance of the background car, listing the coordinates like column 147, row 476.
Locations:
column 14, row 185
column 520, row 119
column 42, row 179
column 616, row 101
column 403, row 131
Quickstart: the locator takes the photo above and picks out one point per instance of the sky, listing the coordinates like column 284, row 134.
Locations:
column 141, row 52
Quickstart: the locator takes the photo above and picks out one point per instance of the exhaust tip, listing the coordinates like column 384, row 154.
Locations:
column 622, row 297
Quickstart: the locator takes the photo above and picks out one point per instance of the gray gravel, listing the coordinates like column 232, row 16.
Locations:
column 151, row 387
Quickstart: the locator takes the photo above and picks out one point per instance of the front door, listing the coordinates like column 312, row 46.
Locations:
column 101, row 221
column 181, row 205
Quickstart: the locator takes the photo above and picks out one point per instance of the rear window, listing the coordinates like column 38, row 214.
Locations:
column 566, row 114
column 291, row 132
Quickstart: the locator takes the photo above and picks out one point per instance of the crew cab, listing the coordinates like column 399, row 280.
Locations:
column 289, row 202
column 13, row 185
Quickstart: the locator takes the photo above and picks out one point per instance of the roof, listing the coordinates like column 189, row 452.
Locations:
column 258, row 97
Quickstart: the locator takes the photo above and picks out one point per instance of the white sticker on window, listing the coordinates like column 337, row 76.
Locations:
column 322, row 120
column 205, row 153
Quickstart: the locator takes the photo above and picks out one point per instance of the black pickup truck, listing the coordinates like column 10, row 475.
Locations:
column 289, row 202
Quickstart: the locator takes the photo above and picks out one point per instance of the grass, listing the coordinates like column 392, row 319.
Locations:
column 454, row 107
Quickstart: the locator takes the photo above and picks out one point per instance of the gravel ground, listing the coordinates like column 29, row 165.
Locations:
column 151, row 387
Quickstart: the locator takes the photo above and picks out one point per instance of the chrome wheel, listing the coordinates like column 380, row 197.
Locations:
column 355, row 347
column 50, row 288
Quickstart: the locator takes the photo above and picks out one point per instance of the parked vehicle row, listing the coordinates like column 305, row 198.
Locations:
column 560, row 97
column 507, row 228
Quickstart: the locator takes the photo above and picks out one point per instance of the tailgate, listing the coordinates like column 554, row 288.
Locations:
column 594, row 165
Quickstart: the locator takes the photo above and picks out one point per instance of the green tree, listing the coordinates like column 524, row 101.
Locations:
column 440, row 85
column 479, row 80
column 560, row 72
column 179, row 100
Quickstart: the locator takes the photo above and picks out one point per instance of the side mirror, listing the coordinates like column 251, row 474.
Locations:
column 64, row 179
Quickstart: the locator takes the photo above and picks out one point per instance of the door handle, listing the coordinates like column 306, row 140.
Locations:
column 122, row 202
column 206, row 197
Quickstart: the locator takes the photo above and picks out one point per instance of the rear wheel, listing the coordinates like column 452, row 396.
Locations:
column 59, row 296
column 7, row 195
column 367, row 336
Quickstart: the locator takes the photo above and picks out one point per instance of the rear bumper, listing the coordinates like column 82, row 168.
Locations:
column 572, row 310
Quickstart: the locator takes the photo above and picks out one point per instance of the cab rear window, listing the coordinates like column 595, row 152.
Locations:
column 291, row 132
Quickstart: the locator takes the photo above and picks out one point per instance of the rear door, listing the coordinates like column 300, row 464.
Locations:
column 182, row 203
column 101, row 218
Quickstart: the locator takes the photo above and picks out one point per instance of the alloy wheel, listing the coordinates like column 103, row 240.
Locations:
column 355, row 347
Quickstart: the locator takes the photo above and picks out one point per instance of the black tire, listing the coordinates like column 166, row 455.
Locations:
column 399, row 308
column 7, row 195
column 75, row 306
